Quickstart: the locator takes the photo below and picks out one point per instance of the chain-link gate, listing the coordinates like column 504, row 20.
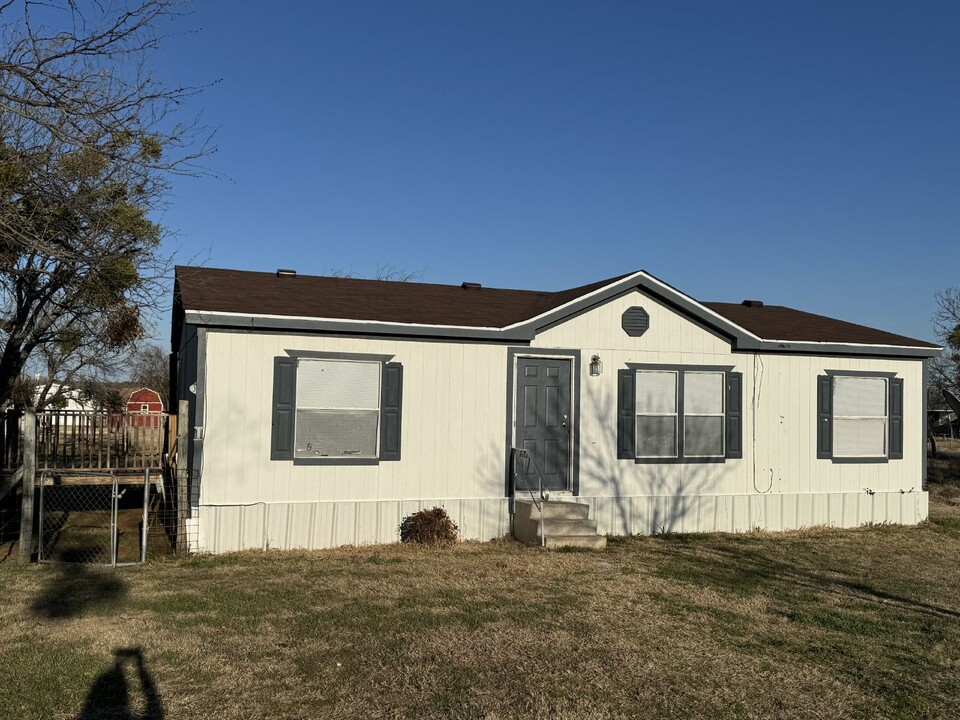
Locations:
column 98, row 520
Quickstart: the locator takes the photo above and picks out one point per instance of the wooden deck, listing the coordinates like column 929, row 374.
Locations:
column 76, row 443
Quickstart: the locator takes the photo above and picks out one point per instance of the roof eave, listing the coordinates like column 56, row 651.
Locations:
column 836, row 348
column 353, row 327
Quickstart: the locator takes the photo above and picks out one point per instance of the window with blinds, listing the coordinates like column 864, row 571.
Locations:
column 859, row 417
column 338, row 409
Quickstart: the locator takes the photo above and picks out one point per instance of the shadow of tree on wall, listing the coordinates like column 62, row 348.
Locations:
column 113, row 696
column 672, row 489
column 74, row 590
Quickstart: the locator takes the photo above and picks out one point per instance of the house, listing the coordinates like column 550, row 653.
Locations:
column 323, row 410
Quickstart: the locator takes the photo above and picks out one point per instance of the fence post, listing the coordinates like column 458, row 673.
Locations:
column 146, row 515
column 29, row 440
column 183, row 426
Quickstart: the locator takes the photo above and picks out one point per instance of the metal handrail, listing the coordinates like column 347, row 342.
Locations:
column 515, row 455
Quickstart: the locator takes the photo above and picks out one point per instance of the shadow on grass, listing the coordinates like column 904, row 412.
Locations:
column 75, row 590
column 742, row 572
column 110, row 694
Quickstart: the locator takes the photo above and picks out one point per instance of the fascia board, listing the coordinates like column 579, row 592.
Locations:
column 832, row 348
column 299, row 323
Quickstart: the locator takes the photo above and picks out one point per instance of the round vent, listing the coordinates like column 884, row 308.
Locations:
column 635, row 321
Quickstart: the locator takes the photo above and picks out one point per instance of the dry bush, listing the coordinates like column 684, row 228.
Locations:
column 429, row 527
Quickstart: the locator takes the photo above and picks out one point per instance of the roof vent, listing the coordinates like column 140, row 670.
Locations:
column 471, row 286
column 281, row 272
column 752, row 303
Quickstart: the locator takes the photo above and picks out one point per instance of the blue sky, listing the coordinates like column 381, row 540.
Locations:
column 806, row 154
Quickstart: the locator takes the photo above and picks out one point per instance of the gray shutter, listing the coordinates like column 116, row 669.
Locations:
column 626, row 414
column 284, row 407
column 391, row 400
column 824, row 417
column 734, row 421
column 896, row 419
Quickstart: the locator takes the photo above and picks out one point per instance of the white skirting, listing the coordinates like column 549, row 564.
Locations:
column 225, row 528
column 744, row 513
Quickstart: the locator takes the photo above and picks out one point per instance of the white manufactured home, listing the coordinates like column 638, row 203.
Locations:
column 324, row 410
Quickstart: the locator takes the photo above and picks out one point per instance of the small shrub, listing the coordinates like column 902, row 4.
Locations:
column 429, row 527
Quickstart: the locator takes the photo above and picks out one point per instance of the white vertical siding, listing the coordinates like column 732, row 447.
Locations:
column 453, row 442
column 453, row 424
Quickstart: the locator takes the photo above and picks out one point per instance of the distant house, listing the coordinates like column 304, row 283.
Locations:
column 323, row 410
column 67, row 398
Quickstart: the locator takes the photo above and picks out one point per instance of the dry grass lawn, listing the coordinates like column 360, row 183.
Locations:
column 819, row 623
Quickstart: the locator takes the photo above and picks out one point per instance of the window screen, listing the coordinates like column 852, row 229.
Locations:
column 859, row 416
column 656, row 413
column 338, row 409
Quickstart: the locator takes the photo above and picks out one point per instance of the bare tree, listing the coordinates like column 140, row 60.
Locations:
column 89, row 143
column 945, row 370
column 150, row 368
column 385, row 271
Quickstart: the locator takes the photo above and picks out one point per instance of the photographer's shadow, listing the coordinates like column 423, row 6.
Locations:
column 110, row 695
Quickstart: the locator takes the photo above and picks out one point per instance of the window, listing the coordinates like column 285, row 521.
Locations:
column 859, row 417
column 336, row 408
column 703, row 414
column 144, row 408
column 679, row 414
column 656, row 413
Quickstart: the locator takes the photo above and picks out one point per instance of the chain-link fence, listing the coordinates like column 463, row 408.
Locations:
column 104, row 519
column 97, row 519
column 77, row 522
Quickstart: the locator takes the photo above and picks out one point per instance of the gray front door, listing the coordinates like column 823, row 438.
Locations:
column 543, row 416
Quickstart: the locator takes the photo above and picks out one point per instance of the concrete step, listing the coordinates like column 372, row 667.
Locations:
column 590, row 542
column 562, row 528
column 555, row 509
column 565, row 524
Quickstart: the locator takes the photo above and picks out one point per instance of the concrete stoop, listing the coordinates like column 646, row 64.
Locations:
column 565, row 524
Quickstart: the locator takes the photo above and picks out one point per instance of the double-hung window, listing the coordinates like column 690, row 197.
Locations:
column 336, row 408
column 859, row 417
column 679, row 414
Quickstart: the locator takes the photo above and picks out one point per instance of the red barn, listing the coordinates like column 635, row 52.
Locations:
column 142, row 402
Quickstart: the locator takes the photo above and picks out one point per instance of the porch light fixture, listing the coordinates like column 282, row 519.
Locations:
column 596, row 366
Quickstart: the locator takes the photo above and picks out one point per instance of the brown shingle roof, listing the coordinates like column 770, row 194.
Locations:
column 775, row 322
column 240, row 291
column 260, row 293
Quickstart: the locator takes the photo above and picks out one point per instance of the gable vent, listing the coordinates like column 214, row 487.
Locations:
column 471, row 286
column 635, row 321
column 282, row 272
column 752, row 303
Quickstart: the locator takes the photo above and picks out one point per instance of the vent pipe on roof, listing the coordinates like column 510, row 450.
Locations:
column 281, row 272
column 471, row 286
column 753, row 303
